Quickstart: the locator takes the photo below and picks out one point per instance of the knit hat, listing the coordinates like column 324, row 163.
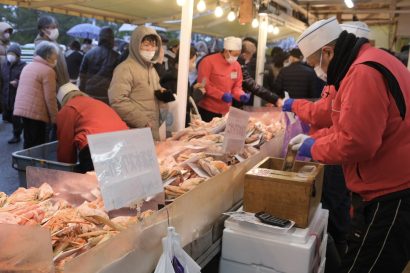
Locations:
column 68, row 91
column 232, row 43
column 15, row 49
column 318, row 35
column 360, row 29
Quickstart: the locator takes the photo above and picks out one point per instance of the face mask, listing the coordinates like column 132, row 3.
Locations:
column 192, row 67
column 147, row 55
column 286, row 63
column 11, row 58
column 319, row 71
column 53, row 35
column 6, row 36
column 231, row 59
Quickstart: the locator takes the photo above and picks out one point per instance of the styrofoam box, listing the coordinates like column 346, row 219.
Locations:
column 234, row 267
column 293, row 251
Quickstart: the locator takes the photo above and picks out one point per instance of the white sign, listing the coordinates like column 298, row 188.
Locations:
column 126, row 166
column 235, row 131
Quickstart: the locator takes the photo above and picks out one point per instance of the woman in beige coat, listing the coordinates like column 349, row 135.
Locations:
column 36, row 100
column 135, row 80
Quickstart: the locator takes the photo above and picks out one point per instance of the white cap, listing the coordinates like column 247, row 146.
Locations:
column 360, row 29
column 232, row 43
column 65, row 89
column 318, row 35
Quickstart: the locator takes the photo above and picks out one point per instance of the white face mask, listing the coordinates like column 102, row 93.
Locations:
column 6, row 36
column 192, row 67
column 231, row 59
column 147, row 55
column 53, row 35
column 286, row 63
column 11, row 58
column 319, row 71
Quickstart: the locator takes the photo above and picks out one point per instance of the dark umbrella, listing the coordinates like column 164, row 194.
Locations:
column 84, row 31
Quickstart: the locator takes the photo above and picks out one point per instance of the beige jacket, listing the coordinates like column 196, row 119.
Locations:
column 4, row 43
column 131, row 92
column 36, row 93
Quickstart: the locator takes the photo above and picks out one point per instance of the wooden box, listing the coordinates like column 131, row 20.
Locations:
column 290, row 195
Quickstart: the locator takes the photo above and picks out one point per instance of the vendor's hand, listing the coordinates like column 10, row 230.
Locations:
column 302, row 143
column 227, row 97
column 287, row 103
column 200, row 87
column 14, row 83
column 245, row 97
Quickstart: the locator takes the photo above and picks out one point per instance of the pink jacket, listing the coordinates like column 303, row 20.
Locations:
column 36, row 93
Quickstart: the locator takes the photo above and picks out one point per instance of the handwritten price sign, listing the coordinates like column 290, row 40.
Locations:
column 235, row 131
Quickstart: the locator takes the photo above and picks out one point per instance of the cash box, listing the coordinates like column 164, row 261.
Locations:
column 293, row 195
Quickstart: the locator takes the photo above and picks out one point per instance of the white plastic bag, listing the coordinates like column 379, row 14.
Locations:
column 174, row 252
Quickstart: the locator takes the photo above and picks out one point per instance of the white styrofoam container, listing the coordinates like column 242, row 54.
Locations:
column 295, row 235
column 294, row 251
column 234, row 267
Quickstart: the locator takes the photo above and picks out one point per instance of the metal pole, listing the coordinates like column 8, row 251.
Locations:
column 183, row 63
column 260, row 61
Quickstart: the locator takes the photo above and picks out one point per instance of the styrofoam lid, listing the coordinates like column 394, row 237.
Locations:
column 358, row 28
column 318, row 35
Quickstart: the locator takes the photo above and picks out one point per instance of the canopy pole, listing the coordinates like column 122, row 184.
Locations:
column 260, row 61
column 183, row 63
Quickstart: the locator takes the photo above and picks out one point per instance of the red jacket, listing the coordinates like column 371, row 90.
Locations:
column 83, row 116
column 368, row 136
column 220, row 77
column 317, row 114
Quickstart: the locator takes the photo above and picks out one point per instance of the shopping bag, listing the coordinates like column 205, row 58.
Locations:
column 293, row 128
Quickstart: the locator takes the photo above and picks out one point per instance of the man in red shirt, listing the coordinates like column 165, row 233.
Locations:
column 222, row 75
column 369, row 138
column 80, row 116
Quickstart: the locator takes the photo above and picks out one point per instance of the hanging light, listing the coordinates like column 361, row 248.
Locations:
column 275, row 30
column 255, row 23
column 218, row 10
column 270, row 28
column 201, row 6
column 231, row 15
column 349, row 3
column 180, row 2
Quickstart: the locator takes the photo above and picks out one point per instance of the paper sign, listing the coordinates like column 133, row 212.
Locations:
column 126, row 166
column 235, row 131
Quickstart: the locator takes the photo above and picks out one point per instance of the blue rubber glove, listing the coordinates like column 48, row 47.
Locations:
column 227, row 97
column 303, row 144
column 287, row 105
column 245, row 97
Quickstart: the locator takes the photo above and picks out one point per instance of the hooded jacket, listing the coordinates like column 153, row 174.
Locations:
column 131, row 92
column 3, row 42
column 61, row 67
column 98, row 66
column 368, row 136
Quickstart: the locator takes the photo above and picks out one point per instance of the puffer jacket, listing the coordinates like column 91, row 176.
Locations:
column 131, row 92
column 97, row 68
column 61, row 67
column 10, row 72
column 36, row 93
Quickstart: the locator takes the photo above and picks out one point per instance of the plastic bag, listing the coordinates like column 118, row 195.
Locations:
column 292, row 130
column 174, row 259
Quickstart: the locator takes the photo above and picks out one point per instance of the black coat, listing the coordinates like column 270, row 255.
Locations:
column 74, row 60
column 97, row 70
column 9, row 73
column 298, row 79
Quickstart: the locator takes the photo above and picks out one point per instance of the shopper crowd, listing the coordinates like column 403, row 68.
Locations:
column 353, row 96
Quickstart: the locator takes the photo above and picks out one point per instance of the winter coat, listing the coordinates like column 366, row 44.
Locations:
column 3, row 43
column 369, row 137
column 131, row 92
column 9, row 73
column 220, row 77
column 298, row 79
column 74, row 59
column 97, row 70
column 36, row 93
column 61, row 67
column 82, row 116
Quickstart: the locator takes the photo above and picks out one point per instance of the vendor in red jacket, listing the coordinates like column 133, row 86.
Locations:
column 369, row 137
column 80, row 116
column 222, row 77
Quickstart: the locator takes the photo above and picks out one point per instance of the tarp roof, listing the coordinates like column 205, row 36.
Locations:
column 157, row 12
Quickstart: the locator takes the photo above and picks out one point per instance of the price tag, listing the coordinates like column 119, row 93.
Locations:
column 235, row 131
column 126, row 166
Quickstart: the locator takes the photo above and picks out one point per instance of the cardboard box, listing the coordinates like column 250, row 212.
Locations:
column 289, row 195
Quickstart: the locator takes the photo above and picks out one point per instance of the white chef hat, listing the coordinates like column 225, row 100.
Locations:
column 318, row 35
column 360, row 29
column 232, row 43
column 65, row 89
